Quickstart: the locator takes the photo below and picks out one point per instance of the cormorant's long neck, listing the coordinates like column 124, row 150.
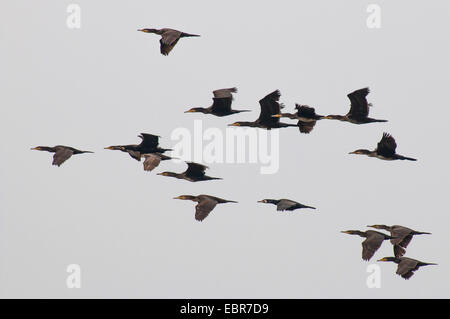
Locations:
column 366, row 152
column 47, row 148
column 199, row 110
column 172, row 174
column 203, row 110
column 123, row 148
column 272, row 201
column 336, row 117
column 385, row 227
column 190, row 197
column 357, row 232
column 248, row 124
column 156, row 31
column 393, row 259
column 289, row 115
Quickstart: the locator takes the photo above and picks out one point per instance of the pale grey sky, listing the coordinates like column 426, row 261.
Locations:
column 105, row 83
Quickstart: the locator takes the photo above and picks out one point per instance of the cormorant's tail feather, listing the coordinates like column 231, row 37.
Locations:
column 189, row 35
column 408, row 158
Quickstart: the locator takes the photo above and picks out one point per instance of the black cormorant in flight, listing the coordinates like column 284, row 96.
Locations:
column 359, row 109
column 62, row 153
column 169, row 37
column 221, row 104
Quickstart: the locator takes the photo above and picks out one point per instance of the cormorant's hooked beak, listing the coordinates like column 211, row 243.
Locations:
column 143, row 30
column 277, row 115
column 382, row 259
column 35, row 148
column 262, row 201
column 190, row 111
column 345, row 232
column 185, row 197
column 109, row 148
column 234, row 124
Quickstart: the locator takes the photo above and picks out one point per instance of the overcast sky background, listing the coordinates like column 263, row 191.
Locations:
column 105, row 83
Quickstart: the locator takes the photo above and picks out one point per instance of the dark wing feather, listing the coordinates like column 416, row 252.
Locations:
column 195, row 169
column 405, row 242
column 399, row 232
column 406, row 267
column 386, row 146
column 149, row 140
column 61, row 155
column 270, row 106
column 221, row 105
column 408, row 274
column 305, row 111
column 285, row 204
column 166, row 48
column 168, row 40
column 224, row 93
column 151, row 161
column 399, row 251
column 204, row 207
column 135, row 154
column 306, row 127
column 359, row 106
column 371, row 245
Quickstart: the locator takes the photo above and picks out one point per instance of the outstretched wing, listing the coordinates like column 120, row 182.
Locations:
column 221, row 105
column 285, row 204
column 222, row 100
column 168, row 40
column 151, row 161
column 135, row 154
column 406, row 267
column 195, row 169
column 306, row 127
column 405, row 242
column 204, row 207
column 305, row 111
column 399, row 251
column 386, row 146
column 359, row 106
column 400, row 233
column 371, row 245
column 224, row 93
column 149, row 140
column 270, row 106
column 61, row 155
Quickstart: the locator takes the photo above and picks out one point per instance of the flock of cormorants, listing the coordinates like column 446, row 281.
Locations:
column 269, row 118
